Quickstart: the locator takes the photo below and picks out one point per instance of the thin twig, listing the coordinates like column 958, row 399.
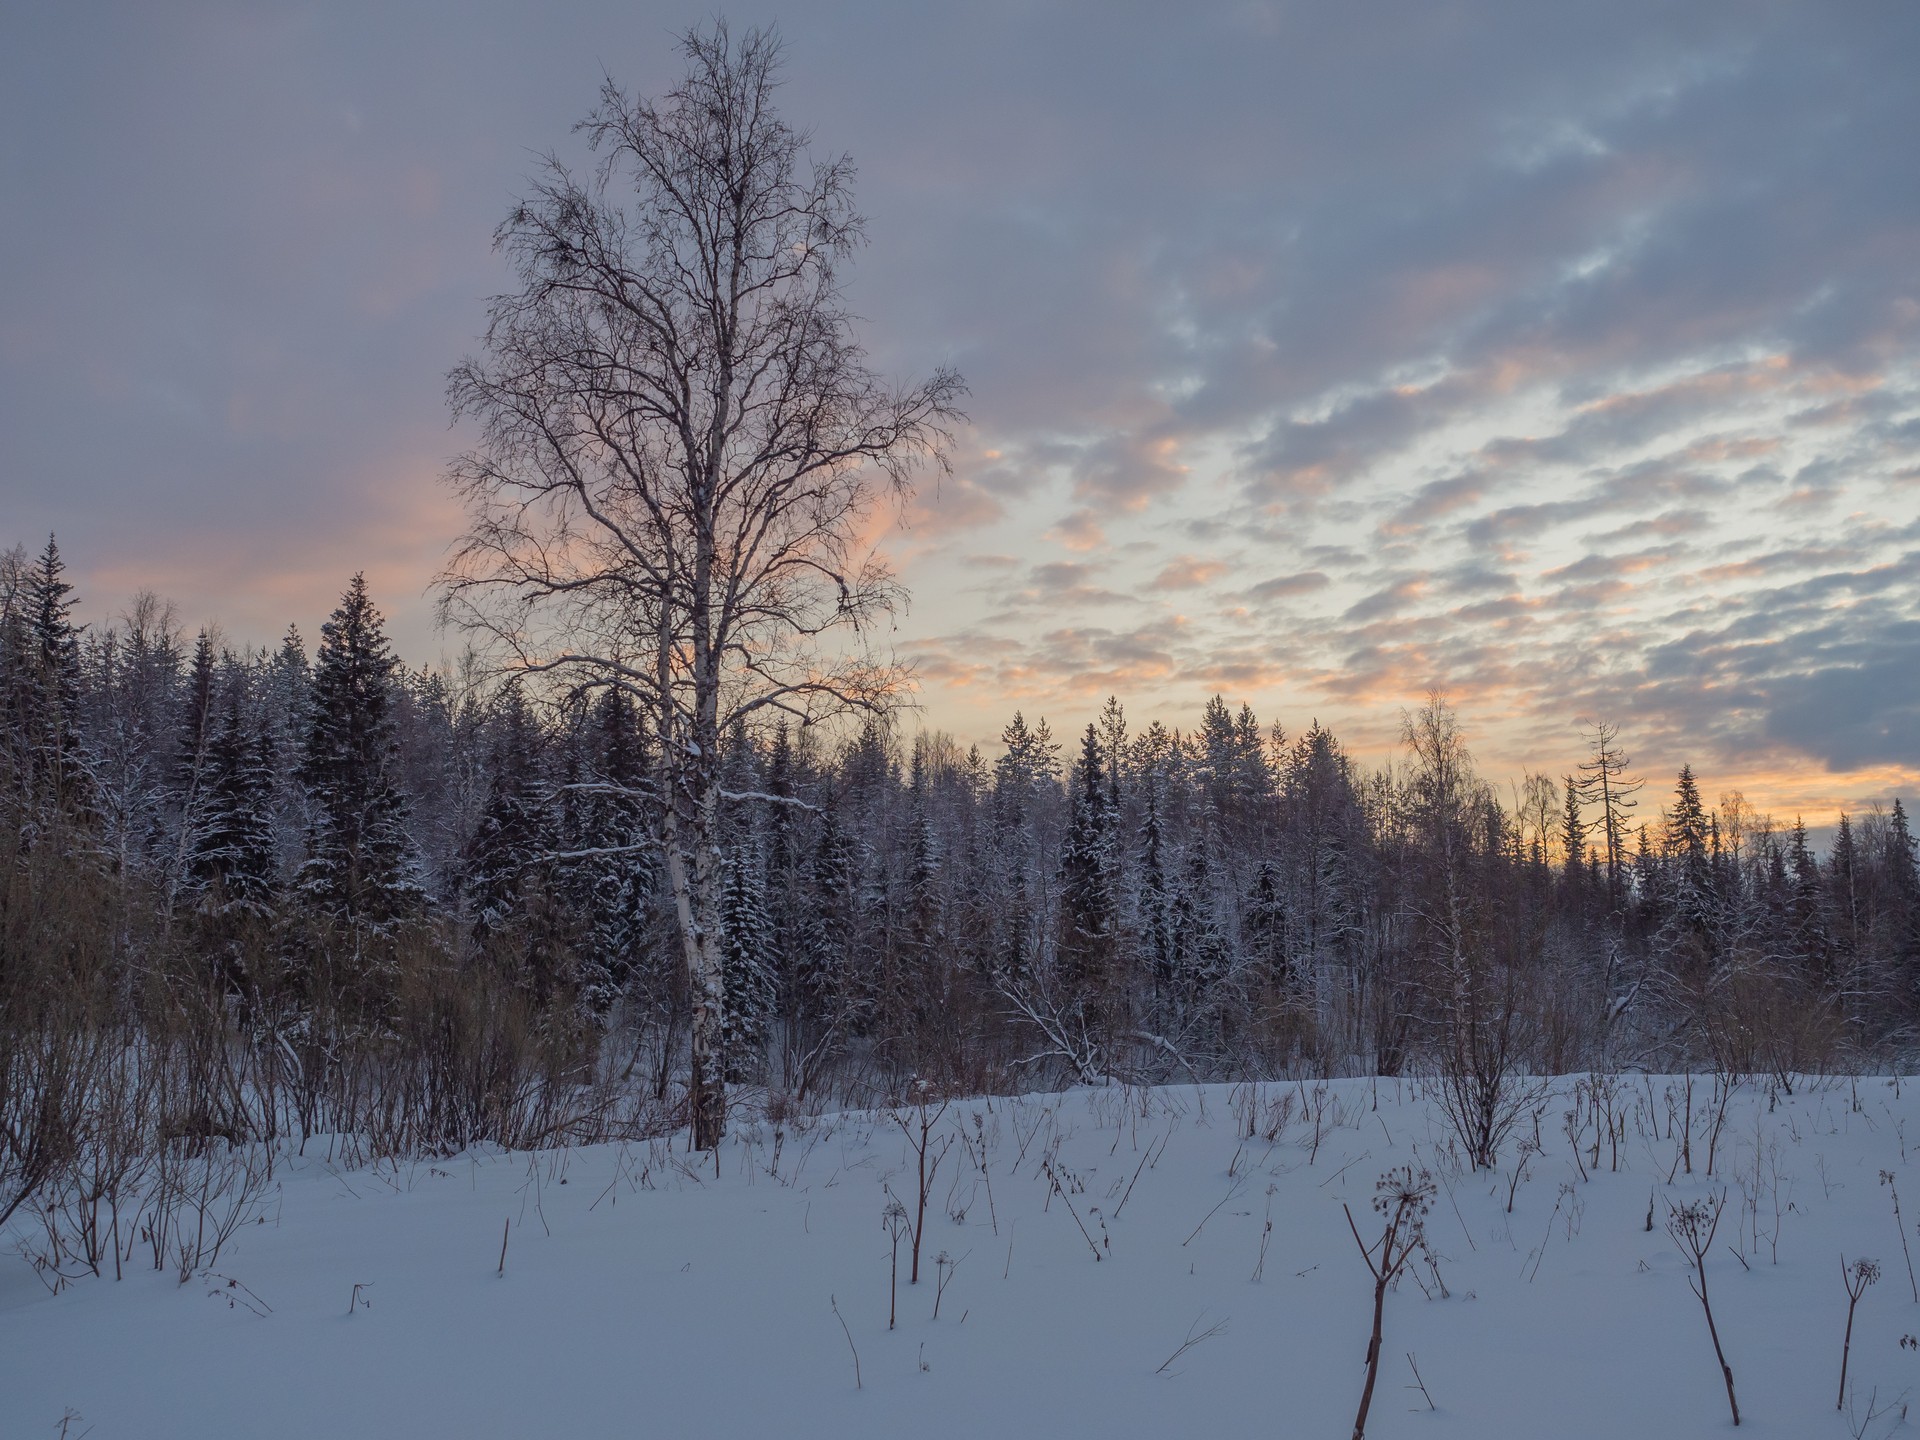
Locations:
column 850, row 1345
column 1235, row 1190
column 1421, row 1384
column 1218, row 1327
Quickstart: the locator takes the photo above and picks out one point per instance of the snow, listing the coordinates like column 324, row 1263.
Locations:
column 644, row 1296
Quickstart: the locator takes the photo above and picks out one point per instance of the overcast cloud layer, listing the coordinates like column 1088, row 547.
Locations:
column 1319, row 354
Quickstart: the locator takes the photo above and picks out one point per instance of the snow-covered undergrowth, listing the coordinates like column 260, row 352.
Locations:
column 1073, row 1245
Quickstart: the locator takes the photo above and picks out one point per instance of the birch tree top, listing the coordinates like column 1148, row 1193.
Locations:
column 681, row 441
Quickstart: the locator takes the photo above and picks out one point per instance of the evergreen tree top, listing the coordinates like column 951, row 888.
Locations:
column 49, row 606
column 352, row 731
column 1687, row 823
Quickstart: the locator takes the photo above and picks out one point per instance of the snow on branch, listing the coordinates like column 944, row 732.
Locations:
column 770, row 798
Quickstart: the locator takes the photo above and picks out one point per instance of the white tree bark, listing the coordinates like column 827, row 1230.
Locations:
column 681, row 445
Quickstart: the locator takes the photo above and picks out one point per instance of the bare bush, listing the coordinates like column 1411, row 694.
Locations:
column 1479, row 1065
column 917, row 1121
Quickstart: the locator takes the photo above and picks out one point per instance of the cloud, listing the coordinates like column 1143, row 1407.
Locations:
column 1569, row 356
column 1392, row 599
column 1853, row 716
column 1079, row 530
column 1286, row 587
column 1188, row 572
column 951, row 504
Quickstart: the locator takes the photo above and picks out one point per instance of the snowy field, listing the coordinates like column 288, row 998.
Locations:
column 1090, row 1235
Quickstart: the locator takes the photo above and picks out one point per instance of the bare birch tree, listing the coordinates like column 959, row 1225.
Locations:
column 681, row 444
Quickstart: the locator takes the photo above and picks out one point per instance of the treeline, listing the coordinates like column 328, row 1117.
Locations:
column 325, row 894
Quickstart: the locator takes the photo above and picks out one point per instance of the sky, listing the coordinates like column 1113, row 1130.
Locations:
column 1565, row 358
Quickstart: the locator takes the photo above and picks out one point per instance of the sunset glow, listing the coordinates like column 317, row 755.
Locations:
column 1565, row 370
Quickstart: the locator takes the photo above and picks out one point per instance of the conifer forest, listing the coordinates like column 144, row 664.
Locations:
column 269, row 893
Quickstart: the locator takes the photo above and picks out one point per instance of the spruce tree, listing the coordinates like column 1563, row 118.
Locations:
column 1690, row 875
column 1649, row 877
column 821, row 977
column 1573, row 834
column 1113, row 742
column 193, row 737
column 1086, row 873
column 785, row 847
column 617, row 880
column 521, row 919
column 1808, row 932
column 1252, row 779
column 1327, row 840
column 40, row 688
column 500, row 858
column 916, row 967
column 1265, row 924
column 750, row 988
column 1219, row 757
column 1200, row 955
column 1843, row 889
column 1020, row 778
column 923, row 881
column 234, row 865
column 1156, row 904
column 286, row 695
column 197, row 717
column 361, row 865
column 1902, row 855
column 1901, row 860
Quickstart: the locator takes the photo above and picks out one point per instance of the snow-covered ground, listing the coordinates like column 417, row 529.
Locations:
column 643, row 1295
